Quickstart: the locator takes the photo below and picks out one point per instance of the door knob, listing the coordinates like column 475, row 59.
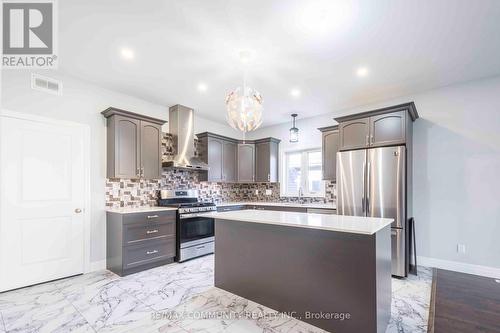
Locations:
column 78, row 210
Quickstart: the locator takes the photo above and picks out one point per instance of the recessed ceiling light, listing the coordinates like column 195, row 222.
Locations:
column 246, row 56
column 362, row 71
column 295, row 92
column 202, row 87
column 127, row 53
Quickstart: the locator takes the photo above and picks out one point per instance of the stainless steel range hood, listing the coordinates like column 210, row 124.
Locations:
column 181, row 121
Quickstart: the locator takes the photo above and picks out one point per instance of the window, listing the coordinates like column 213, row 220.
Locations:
column 303, row 171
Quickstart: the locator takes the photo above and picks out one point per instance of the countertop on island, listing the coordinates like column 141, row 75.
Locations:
column 131, row 210
column 279, row 204
column 340, row 223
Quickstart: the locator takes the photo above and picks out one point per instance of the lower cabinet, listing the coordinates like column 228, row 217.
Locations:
column 277, row 208
column 231, row 208
column 139, row 241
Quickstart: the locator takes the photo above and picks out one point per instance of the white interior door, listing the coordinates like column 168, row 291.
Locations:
column 42, row 198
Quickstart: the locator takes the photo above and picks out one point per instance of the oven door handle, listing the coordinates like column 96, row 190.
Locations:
column 188, row 216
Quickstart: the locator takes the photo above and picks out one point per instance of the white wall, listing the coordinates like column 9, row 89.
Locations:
column 456, row 168
column 82, row 103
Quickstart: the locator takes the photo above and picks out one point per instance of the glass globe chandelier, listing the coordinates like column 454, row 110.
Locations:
column 244, row 104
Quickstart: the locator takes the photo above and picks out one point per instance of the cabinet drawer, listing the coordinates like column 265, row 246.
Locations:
column 139, row 232
column 155, row 217
column 230, row 208
column 148, row 252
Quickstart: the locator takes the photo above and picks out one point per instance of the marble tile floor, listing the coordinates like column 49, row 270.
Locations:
column 172, row 298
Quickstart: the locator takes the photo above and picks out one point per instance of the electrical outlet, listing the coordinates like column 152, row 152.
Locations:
column 461, row 248
column 269, row 192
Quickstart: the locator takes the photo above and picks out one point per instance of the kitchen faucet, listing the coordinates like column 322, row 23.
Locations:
column 301, row 195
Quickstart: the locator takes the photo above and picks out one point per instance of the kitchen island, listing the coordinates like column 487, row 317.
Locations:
column 331, row 271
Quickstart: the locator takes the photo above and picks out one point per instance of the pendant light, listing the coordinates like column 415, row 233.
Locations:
column 244, row 104
column 294, row 131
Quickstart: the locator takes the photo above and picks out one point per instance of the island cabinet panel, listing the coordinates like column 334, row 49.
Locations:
column 355, row 134
column 329, row 148
column 133, row 145
column 246, row 162
column 266, row 160
column 139, row 241
column 308, row 271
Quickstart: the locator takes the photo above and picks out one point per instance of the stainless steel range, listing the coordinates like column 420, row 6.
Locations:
column 195, row 233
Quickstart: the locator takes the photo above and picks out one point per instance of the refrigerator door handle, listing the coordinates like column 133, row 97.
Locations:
column 368, row 169
column 363, row 201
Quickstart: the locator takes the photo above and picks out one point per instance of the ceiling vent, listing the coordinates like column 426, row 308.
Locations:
column 46, row 84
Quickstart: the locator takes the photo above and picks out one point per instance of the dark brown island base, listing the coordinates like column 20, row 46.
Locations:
column 331, row 271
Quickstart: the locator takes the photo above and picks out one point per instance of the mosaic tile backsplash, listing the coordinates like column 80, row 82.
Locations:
column 143, row 192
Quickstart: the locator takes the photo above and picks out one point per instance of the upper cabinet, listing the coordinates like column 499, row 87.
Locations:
column 133, row 145
column 246, row 162
column 355, row 134
column 266, row 160
column 220, row 153
column 388, row 129
column 329, row 148
column 231, row 160
column 384, row 127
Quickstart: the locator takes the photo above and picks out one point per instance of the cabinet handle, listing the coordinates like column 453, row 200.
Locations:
column 367, row 139
column 153, row 216
column 151, row 252
column 152, row 231
column 373, row 139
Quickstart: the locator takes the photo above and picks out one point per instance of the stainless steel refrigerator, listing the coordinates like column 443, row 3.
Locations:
column 372, row 182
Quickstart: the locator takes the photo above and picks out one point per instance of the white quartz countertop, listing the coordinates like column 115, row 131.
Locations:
column 279, row 204
column 131, row 210
column 349, row 224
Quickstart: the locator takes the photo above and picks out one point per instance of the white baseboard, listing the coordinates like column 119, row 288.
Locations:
column 460, row 267
column 97, row 266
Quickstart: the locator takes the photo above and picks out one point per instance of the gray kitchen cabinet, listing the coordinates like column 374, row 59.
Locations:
column 229, row 161
column 383, row 127
column 280, row 208
column 231, row 208
column 133, row 145
column 354, row 134
column 151, row 150
column 246, row 162
column 139, row 241
column 329, row 148
column 214, row 159
column 221, row 155
column 388, row 129
column 266, row 160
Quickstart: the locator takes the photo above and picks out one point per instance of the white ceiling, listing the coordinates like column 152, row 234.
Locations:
column 315, row 46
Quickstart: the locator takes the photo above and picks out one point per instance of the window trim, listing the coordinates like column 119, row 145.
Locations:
column 305, row 175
